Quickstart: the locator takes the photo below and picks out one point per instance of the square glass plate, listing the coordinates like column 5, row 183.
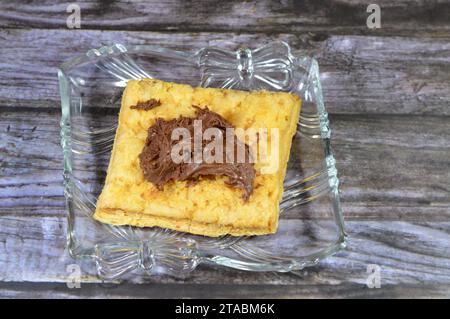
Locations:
column 311, row 225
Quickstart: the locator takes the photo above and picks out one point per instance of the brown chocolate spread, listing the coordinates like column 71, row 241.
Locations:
column 159, row 168
column 147, row 105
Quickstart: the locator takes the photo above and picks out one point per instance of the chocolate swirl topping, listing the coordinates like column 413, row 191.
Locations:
column 146, row 105
column 159, row 168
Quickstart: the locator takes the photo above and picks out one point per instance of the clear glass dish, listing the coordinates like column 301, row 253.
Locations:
column 311, row 224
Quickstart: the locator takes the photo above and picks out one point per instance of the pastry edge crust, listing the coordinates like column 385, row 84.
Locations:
column 120, row 217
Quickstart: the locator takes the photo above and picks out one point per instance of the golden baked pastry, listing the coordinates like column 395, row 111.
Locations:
column 209, row 207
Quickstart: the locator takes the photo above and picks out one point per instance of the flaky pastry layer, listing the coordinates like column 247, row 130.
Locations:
column 209, row 207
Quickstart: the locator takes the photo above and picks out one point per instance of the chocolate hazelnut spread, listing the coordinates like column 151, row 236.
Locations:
column 147, row 105
column 159, row 167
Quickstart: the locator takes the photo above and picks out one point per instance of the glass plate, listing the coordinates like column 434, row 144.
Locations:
column 311, row 225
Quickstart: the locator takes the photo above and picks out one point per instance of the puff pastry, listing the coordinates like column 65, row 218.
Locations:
column 209, row 207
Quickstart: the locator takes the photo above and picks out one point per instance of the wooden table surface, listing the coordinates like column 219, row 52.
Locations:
column 387, row 91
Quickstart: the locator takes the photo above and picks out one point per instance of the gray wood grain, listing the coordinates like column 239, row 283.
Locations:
column 395, row 218
column 401, row 75
column 33, row 249
column 226, row 291
column 387, row 93
column 391, row 167
column 285, row 16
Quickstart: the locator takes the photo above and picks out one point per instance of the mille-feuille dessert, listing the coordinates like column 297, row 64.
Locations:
column 145, row 187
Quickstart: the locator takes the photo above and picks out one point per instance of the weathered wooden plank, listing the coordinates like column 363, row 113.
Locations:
column 250, row 16
column 33, row 249
column 391, row 167
column 182, row 291
column 359, row 74
column 394, row 75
